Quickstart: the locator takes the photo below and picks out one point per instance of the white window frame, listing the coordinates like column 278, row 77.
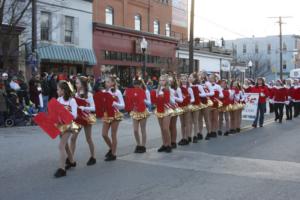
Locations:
column 109, row 15
column 137, row 22
column 156, row 27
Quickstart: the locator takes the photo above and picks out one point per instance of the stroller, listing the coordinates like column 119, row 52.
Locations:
column 18, row 115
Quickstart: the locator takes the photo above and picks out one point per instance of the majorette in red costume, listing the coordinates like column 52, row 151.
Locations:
column 135, row 103
column 162, row 100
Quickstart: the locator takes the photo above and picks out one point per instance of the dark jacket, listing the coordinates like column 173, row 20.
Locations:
column 45, row 87
column 33, row 91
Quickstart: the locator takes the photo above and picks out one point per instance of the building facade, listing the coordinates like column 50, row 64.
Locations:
column 120, row 25
column 207, row 57
column 64, row 36
column 265, row 55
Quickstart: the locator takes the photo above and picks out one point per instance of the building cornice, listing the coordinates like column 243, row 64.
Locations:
column 66, row 7
column 126, row 31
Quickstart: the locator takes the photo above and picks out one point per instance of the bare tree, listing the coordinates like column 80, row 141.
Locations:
column 12, row 14
column 260, row 66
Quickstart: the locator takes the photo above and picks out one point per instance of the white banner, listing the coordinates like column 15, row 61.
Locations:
column 250, row 110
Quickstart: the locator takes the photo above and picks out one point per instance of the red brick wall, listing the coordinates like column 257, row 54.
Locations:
column 125, row 10
column 106, row 39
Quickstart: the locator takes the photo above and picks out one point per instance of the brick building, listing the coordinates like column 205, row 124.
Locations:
column 119, row 26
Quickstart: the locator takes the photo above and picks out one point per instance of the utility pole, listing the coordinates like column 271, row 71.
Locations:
column 280, row 47
column 32, row 59
column 34, row 27
column 280, row 22
column 191, row 44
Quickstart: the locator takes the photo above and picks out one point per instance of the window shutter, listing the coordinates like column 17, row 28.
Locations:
column 76, row 31
column 62, row 29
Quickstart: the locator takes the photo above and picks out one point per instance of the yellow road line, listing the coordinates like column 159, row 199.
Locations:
column 249, row 127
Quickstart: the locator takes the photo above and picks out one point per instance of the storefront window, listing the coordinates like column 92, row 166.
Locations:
column 129, row 57
column 113, row 55
column 139, row 58
column 119, row 56
column 106, row 55
column 123, row 56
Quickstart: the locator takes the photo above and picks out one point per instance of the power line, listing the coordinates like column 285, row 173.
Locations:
column 221, row 26
column 280, row 22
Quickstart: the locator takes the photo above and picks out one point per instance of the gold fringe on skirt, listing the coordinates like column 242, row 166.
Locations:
column 139, row 115
column 185, row 109
column 167, row 112
column 177, row 111
column 118, row 117
column 198, row 107
column 209, row 103
column 72, row 127
column 227, row 108
column 237, row 106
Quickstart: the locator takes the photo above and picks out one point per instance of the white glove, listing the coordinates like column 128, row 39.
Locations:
column 271, row 101
column 287, row 102
column 115, row 104
column 81, row 108
column 262, row 94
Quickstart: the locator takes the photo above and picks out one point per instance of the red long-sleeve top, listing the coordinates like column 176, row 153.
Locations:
column 279, row 94
column 296, row 94
column 263, row 92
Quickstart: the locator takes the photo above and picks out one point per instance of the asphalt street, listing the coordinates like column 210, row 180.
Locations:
column 262, row 164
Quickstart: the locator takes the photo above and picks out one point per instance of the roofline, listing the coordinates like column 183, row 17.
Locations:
column 253, row 38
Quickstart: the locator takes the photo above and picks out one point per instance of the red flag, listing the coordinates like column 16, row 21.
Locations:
column 134, row 100
column 47, row 124
column 58, row 112
column 104, row 103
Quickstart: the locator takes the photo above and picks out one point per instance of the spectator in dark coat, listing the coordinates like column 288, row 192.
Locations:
column 53, row 86
column 35, row 90
column 3, row 103
column 45, row 91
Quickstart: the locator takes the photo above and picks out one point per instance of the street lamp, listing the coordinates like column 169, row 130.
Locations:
column 250, row 65
column 144, row 46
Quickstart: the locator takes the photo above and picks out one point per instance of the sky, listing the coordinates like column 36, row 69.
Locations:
column 232, row 19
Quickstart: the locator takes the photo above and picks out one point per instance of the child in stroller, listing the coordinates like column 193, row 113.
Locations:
column 18, row 114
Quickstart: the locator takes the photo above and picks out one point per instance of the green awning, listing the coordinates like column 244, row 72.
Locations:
column 66, row 54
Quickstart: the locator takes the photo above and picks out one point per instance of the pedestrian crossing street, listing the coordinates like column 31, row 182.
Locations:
column 218, row 164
